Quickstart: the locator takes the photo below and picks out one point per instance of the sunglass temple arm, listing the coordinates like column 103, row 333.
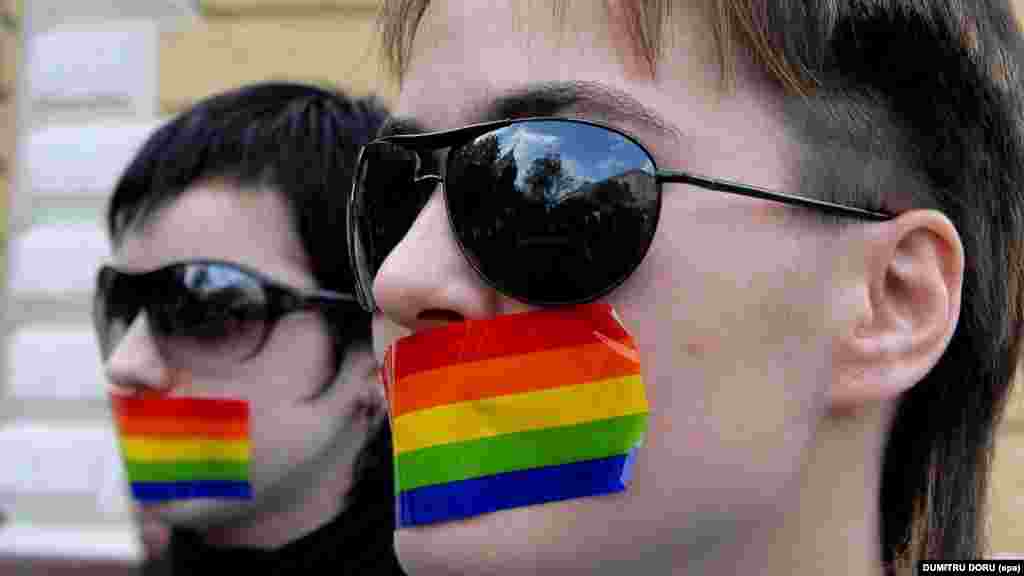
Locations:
column 754, row 192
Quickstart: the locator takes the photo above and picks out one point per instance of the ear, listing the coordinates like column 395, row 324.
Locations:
column 370, row 405
column 356, row 394
column 907, row 278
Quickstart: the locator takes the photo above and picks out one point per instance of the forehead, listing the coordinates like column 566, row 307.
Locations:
column 220, row 221
column 465, row 55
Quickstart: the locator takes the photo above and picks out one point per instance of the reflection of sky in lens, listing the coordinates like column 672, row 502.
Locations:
column 588, row 153
column 211, row 278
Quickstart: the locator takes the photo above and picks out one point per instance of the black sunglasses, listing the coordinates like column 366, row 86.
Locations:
column 549, row 211
column 202, row 314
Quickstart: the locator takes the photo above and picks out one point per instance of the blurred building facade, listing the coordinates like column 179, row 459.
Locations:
column 90, row 86
column 9, row 55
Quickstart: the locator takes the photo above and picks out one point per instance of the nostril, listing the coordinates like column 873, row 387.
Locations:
column 439, row 315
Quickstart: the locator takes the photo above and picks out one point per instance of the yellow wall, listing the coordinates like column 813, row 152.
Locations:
column 241, row 41
column 9, row 53
column 331, row 41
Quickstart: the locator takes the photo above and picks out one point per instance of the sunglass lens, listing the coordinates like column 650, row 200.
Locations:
column 115, row 305
column 387, row 200
column 553, row 211
column 210, row 316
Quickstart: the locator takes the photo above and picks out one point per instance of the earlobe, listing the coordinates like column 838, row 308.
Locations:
column 911, row 277
column 369, row 404
column 372, row 405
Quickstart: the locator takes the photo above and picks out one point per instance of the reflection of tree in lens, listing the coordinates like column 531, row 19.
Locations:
column 482, row 152
column 605, row 227
column 542, row 178
column 472, row 167
column 481, row 188
column 545, row 231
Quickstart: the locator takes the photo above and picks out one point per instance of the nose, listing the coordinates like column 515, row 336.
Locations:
column 136, row 365
column 425, row 281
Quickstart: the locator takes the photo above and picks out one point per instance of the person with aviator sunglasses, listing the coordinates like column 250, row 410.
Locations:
column 808, row 215
column 229, row 280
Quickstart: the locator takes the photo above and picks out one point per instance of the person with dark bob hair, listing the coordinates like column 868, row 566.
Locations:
column 229, row 279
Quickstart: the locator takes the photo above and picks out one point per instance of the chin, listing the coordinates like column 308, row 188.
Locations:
column 570, row 537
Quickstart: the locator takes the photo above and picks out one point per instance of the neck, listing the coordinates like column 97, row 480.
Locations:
column 300, row 509
column 277, row 528
column 834, row 526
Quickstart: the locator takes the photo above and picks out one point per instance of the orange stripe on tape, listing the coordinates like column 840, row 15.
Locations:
column 513, row 334
column 511, row 375
column 183, row 427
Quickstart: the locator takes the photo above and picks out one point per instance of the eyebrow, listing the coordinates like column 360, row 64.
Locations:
column 397, row 125
column 554, row 99
column 577, row 97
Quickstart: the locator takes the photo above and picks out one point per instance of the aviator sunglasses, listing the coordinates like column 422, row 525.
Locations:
column 549, row 211
column 202, row 314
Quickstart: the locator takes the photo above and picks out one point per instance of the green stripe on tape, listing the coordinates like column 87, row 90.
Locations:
column 186, row 470
column 521, row 451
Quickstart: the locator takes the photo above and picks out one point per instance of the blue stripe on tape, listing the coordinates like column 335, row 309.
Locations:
column 465, row 498
column 159, row 491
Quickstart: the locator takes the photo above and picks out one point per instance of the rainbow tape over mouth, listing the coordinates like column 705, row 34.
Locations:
column 513, row 411
column 184, row 448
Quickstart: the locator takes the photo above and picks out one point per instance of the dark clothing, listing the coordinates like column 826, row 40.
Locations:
column 358, row 541
column 343, row 546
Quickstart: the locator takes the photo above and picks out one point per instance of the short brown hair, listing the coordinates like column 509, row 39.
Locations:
column 918, row 97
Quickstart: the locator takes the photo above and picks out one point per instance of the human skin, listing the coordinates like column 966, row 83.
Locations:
column 772, row 347
column 302, row 448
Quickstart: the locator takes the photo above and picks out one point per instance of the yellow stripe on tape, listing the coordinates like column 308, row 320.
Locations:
column 519, row 412
column 146, row 449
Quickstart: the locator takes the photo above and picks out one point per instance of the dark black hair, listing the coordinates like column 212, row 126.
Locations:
column 919, row 105
column 299, row 140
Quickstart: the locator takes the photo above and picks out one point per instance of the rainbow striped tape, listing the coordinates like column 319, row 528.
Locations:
column 183, row 448
column 514, row 411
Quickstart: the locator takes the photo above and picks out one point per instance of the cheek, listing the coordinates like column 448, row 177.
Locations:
column 735, row 356
column 295, row 364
